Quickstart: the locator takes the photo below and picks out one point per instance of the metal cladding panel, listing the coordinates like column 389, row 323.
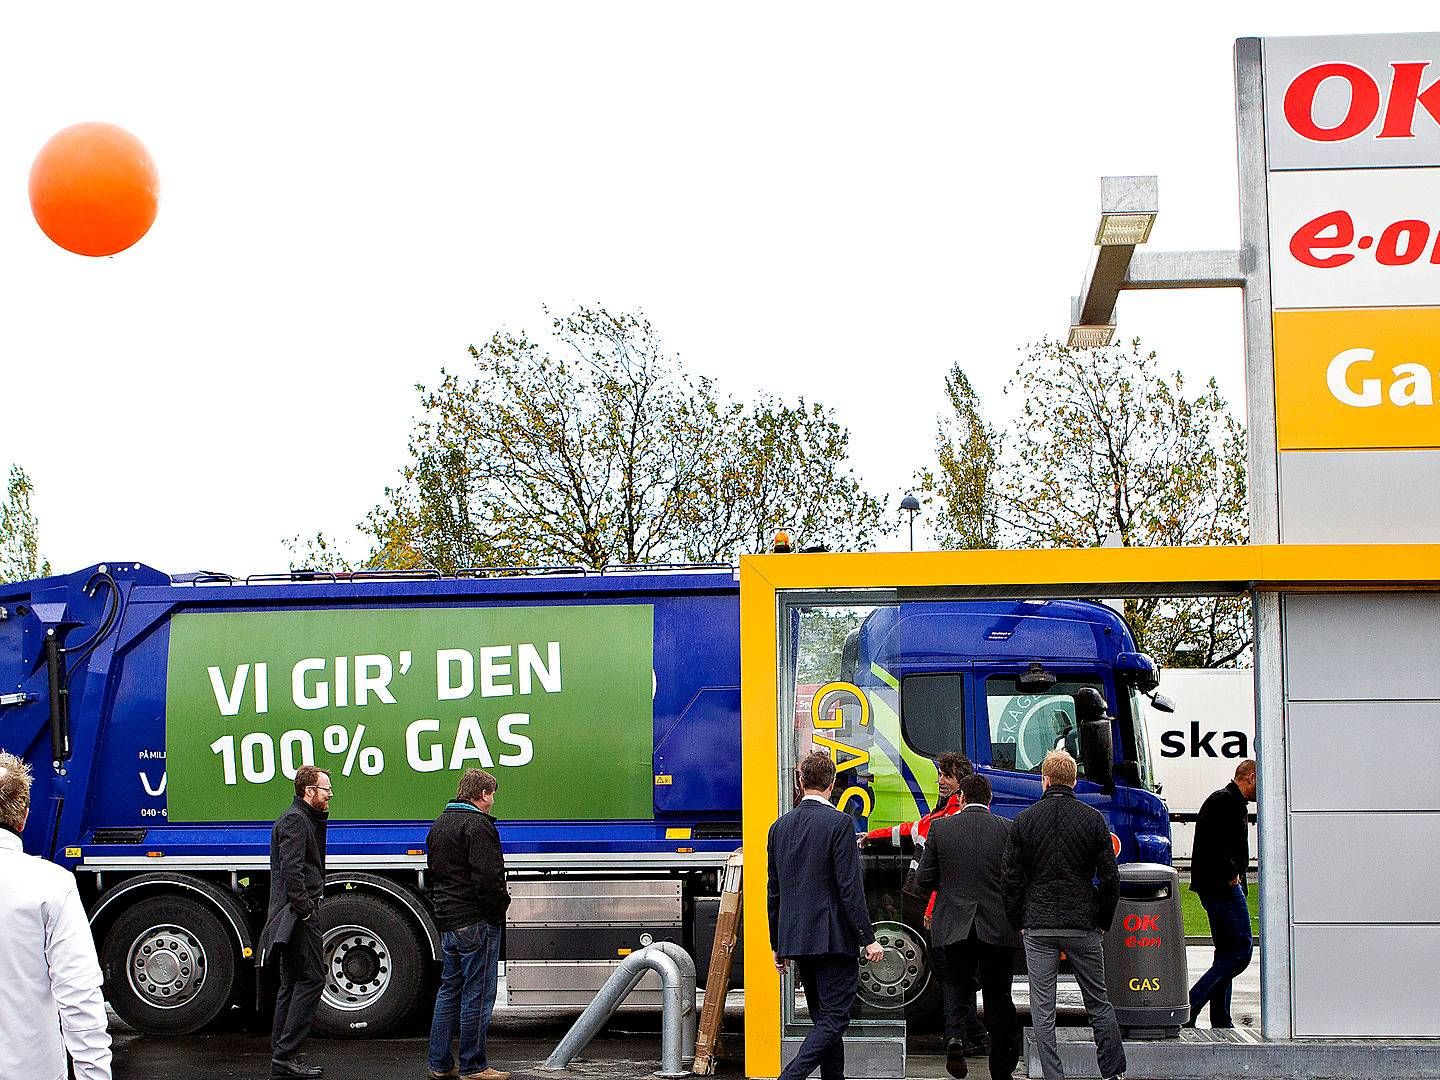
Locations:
column 1359, row 868
column 1366, row 496
column 1369, row 737
column 1388, row 643
column 1366, row 981
column 697, row 705
column 563, row 902
column 1351, row 110
column 880, row 1057
column 556, row 984
column 696, row 759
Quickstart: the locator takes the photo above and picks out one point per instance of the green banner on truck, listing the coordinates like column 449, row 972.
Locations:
column 555, row 702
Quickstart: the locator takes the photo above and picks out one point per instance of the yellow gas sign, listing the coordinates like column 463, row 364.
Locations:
column 1357, row 378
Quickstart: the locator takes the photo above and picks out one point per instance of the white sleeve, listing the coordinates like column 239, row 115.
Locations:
column 75, row 983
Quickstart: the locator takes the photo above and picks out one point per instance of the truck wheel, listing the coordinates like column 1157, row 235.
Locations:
column 374, row 965
column 169, row 966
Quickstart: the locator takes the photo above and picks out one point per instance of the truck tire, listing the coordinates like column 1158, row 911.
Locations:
column 374, row 965
column 169, row 965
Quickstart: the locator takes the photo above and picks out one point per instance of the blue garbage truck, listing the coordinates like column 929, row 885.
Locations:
column 165, row 718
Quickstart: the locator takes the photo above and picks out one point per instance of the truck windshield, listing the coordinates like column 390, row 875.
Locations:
column 1024, row 727
column 1141, row 738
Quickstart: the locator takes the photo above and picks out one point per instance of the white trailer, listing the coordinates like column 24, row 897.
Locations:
column 1195, row 749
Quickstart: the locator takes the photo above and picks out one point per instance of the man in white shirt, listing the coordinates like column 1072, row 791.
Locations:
column 50, row 999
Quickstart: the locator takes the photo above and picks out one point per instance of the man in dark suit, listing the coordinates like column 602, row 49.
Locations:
column 1218, row 864
column 817, row 915
column 292, row 928
column 963, row 864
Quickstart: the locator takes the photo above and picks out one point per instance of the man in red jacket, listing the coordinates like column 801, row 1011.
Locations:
column 963, row 1030
column 910, row 835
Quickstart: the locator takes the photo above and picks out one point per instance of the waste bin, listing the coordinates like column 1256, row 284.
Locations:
column 1145, row 954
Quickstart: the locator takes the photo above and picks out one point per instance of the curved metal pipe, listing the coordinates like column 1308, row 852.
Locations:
column 689, row 1015
column 677, row 1026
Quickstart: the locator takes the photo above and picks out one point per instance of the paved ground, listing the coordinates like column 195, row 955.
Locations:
column 520, row 1041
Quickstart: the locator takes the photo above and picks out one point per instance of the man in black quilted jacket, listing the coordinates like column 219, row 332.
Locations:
column 1058, row 849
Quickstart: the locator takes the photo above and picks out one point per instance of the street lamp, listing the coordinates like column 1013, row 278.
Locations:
column 1128, row 207
column 911, row 506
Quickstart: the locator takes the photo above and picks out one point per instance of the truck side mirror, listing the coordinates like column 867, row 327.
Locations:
column 1097, row 752
column 1161, row 703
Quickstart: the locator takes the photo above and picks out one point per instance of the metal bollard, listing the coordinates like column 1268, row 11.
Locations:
column 689, row 1015
column 677, row 1025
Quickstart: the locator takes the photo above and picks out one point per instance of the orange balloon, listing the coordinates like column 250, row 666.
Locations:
column 93, row 189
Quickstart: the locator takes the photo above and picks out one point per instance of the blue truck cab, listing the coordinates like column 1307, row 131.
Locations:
column 996, row 682
column 993, row 680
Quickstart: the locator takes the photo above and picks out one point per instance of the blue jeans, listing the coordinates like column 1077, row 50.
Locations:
column 467, row 996
column 1230, row 928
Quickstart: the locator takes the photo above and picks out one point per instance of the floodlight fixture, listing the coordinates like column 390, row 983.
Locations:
column 1128, row 206
column 1117, row 230
column 1082, row 336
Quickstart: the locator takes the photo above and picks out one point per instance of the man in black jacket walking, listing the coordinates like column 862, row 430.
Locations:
column 1218, row 863
column 292, row 926
column 962, row 864
column 816, row 905
column 467, row 886
column 1058, row 848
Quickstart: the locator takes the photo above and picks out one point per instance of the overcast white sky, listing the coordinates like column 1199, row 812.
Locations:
column 835, row 199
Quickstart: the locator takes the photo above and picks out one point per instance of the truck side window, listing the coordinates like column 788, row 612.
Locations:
column 932, row 713
column 1026, row 727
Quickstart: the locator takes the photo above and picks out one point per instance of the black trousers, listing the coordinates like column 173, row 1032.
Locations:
column 302, row 977
column 831, row 984
column 974, row 961
column 962, row 1021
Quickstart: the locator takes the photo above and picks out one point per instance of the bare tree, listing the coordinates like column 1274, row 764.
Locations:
column 1106, row 445
column 593, row 446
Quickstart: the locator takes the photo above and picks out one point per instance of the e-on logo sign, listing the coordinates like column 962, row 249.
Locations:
column 1357, row 379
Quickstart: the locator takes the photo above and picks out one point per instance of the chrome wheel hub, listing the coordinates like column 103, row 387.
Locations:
column 166, row 966
column 357, row 968
column 902, row 974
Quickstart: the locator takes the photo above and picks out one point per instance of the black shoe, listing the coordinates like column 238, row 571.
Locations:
column 295, row 1067
column 977, row 1047
column 955, row 1063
